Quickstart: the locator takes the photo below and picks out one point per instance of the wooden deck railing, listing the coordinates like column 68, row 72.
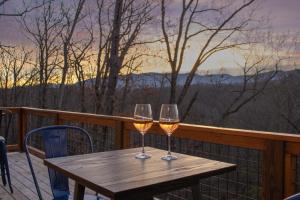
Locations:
column 279, row 149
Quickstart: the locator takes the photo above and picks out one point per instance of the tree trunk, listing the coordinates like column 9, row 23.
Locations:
column 114, row 62
column 64, row 76
column 172, row 99
column 66, row 46
column 82, row 97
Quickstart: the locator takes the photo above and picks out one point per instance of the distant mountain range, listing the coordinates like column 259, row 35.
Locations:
column 156, row 79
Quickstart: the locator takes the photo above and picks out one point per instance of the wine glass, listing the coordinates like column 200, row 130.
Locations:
column 142, row 122
column 169, row 122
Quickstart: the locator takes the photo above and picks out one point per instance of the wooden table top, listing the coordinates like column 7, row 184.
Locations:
column 118, row 174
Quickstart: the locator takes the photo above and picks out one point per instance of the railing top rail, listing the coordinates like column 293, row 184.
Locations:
column 55, row 112
column 243, row 132
column 183, row 128
column 12, row 109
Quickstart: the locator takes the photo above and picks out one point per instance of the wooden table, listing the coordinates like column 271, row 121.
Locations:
column 120, row 176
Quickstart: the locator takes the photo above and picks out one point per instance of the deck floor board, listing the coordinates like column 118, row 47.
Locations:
column 24, row 188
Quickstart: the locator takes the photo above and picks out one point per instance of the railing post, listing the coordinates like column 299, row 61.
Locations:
column 119, row 127
column 121, row 135
column 289, row 175
column 58, row 121
column 126, row 139
column 22, row 128
column 273, row 171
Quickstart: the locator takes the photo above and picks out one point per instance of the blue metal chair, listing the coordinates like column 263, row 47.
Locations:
column 5, row 120
column 58, row 141
column 294, row 197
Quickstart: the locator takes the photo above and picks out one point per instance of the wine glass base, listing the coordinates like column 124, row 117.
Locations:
column 169, row 157
column 142, row 156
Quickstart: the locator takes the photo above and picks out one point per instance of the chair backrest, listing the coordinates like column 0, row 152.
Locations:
column 5, row 121
column 293, row 197
column 57, row 141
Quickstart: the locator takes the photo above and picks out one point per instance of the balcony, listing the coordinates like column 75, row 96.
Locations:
column 267, row 163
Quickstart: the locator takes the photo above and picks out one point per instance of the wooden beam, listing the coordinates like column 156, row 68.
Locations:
column 293, row 148
column 78, row 191
column 13, row 147
column 12, row 109
column 122, row 137
column 212, row 137
column 58, row 120
column 36, row 152
column 48, row 112
column 126, row 139
column 273, row 171
column 22, row 128
column 219, row 138
column 87, row 118
column 119, row 129
column 289, row 174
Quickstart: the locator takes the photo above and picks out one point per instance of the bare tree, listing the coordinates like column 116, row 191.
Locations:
column 26, row 9
column 71, row 18
column 119, row 25
column 260, row 67
column 6, row 63
column 286, row 100
column 286, row 91
column 216, row 34
column 130, row 66
column 80, row 59
column 104, row 33
column 255, row 81
column 43, row 29
column 128, row 20
column 13, row 73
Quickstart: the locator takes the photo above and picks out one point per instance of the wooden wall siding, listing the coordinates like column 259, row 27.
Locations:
column 279, row 149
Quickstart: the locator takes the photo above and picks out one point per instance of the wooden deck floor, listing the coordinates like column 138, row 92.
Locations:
column 22, row 181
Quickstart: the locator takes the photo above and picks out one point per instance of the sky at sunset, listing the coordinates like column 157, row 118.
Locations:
column 284, row 17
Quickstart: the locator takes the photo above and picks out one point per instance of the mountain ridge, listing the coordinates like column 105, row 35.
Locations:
column 154, row 79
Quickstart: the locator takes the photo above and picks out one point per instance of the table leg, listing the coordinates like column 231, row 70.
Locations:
column 79, row 191
column 196, row 191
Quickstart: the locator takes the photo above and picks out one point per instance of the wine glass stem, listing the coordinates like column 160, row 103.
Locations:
column 169, row 144
column 143, row 144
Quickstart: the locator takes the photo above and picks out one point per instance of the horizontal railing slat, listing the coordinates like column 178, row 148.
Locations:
column 13, row 147
column 207, row 135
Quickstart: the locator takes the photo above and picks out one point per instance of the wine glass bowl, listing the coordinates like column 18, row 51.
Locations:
column 169, row 122
column 169, row 126
column 142, row 122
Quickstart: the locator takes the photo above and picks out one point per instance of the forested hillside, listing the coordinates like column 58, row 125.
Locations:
column 220, row 102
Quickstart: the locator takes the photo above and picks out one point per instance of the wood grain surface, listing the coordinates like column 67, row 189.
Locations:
column 119, row 175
